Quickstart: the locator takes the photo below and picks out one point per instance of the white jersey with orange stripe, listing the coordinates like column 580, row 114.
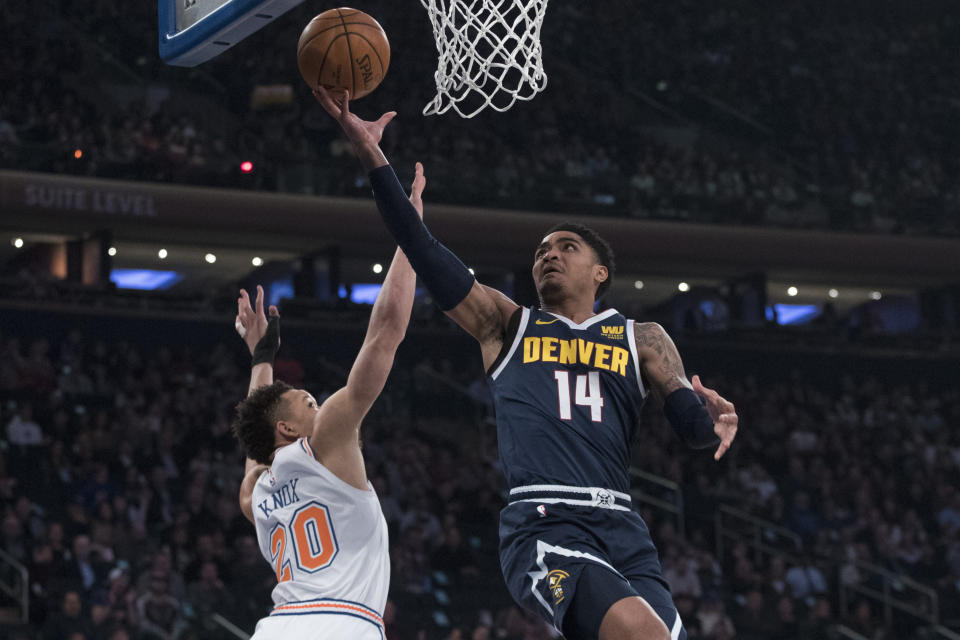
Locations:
column 325, row 539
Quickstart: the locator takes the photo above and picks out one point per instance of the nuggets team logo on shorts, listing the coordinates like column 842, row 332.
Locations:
column 604, row 498
column 554, row 580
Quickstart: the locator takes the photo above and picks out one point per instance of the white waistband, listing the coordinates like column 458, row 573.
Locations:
column 576, row 496
column 541, row 488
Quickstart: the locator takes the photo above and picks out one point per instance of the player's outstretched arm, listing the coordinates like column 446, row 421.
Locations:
column 262, row 338
column 700, row 416
column 341, row 413
column 482, row 311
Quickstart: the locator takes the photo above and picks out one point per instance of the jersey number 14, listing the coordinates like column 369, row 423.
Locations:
column 587, row 394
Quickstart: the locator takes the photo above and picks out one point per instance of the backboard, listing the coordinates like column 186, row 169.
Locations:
column 193, row 31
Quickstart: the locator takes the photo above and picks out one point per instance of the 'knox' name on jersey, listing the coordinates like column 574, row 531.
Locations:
column 576, row 351
column 285, row 495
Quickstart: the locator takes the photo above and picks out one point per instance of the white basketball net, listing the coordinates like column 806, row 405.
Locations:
column 490, row 54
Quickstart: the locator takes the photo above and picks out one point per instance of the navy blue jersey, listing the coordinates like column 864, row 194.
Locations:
column 568, row 399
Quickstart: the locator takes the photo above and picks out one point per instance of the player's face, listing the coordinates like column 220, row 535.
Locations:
column 300, row 411
column 564, row 264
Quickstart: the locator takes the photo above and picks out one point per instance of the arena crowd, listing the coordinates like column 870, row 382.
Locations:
column 120, row 477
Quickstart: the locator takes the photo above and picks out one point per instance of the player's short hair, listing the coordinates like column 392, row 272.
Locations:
column 255, row 420
column 599, row 246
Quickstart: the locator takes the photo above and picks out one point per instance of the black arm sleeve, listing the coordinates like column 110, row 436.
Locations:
column 445, row 276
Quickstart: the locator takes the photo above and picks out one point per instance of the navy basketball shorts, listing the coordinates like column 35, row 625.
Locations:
column 571, row 562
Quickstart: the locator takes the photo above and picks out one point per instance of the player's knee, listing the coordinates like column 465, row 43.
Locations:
column 633, row 619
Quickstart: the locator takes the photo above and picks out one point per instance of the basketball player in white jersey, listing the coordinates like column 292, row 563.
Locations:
column 317, row 517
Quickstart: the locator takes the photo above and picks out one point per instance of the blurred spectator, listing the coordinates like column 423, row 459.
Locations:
column 89, row 564
column 682, row 575
column 863, row 621
column 817, row 622
column 14, row 541
column 208, row 594
column 787, row 623
column 756, row 620
column 158, row 612
column 68, row 622
column 714, row 623
column 22, row 430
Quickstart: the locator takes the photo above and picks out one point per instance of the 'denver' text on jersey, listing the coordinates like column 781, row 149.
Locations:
column 568, row 399
column 577, row 351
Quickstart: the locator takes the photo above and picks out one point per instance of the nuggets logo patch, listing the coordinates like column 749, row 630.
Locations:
column 614, row 333
column 604, row 498
column 554, row 582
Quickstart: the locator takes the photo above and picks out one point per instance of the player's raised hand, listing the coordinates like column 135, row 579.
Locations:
column 722, row 413
column 360, row 132
column 251, row 323
column 416, row 190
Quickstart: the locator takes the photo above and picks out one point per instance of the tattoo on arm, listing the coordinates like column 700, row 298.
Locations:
column 663, row 367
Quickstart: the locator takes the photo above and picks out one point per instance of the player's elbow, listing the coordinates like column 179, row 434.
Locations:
column 361, row 395
column 246, row 506
column 387, row 335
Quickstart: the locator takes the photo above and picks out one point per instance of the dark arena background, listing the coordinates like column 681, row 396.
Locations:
column 780, row 182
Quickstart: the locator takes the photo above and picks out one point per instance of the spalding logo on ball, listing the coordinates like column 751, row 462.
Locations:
column 343, row 49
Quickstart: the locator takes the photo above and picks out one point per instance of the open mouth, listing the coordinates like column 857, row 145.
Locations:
column 549, row 271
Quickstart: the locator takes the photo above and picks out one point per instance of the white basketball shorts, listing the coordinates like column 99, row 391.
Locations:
column 303, row 621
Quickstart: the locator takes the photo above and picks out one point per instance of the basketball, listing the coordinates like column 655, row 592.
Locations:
column 343, row 49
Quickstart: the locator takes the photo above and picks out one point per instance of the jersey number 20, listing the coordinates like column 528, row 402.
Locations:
column 587, row 394
column 310, row 531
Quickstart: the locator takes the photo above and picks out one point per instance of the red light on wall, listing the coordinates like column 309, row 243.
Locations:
column 246, row 166
column 78, row 153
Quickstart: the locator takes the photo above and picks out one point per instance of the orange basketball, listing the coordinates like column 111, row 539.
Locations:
column 344, row 49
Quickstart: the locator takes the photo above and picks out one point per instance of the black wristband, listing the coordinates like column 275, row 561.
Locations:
column 688, row 416
column 269, row 344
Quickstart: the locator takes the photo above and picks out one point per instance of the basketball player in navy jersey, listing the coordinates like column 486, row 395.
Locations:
column 568, row 386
